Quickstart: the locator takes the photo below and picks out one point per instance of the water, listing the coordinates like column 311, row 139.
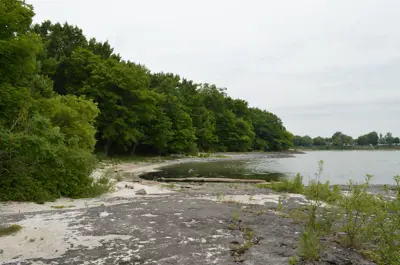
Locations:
column 339, row 167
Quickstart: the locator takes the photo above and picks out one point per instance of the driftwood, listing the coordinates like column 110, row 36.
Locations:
column 223, row 180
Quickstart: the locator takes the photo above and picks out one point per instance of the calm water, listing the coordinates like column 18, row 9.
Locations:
column 339, row 166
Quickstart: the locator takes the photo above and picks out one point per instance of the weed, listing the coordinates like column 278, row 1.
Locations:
column 293, row 260
column 279, row 208
column 235, row 216
column 99, row 187
column 309, row 247
column 119, row 177
column 291, row 185
column 10, row 230
column 220, row 197
column 323, row 192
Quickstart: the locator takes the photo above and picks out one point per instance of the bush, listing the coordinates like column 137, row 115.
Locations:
column 38, row 166
column 322, row 191
column 291, row 185
column 310, row 247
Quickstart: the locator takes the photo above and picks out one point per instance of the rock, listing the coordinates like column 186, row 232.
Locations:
column 32, row 240
column 1, row 251
column 141, row 192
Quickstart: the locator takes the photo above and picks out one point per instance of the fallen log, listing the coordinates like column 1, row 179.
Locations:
column 222, row 180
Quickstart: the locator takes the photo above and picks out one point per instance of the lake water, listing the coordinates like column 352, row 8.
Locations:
column 339, row 167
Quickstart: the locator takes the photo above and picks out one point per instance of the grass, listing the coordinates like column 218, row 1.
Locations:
column 10, row 230
column 293, row 260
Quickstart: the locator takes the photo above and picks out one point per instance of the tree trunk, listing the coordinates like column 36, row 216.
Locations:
column 107, row 147
column 134, row 148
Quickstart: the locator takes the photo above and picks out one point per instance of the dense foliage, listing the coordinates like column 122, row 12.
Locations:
column 340, row 140
column 149, row 112
column 62, row 96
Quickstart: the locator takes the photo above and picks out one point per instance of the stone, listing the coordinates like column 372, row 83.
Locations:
column 141, row 192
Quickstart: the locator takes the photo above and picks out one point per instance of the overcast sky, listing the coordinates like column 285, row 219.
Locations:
column 320, row 65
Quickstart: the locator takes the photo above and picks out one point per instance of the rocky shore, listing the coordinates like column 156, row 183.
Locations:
column 145, row 222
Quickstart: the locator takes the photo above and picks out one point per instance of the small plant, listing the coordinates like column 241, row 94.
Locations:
column 119, row 177
column 293, row 260
column 236, row 216
column 357, row 209
column 323, row 192
column 10, row 230
column 279, row 208
column 99, row 187
column 309, row 247
column 220, row 197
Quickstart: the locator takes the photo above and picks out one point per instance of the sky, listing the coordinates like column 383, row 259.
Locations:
column 321, row 65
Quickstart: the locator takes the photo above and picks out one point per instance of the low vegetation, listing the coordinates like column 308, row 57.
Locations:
column 369, row 223
column 9, row 230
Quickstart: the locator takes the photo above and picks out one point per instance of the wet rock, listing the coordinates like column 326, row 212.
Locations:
column 141, row 192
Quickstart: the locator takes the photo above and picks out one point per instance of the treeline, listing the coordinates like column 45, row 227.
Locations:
column 63, row 96
column 341, row 140
column 147, row 112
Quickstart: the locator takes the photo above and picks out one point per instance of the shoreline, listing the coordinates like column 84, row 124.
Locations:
column 172, row 223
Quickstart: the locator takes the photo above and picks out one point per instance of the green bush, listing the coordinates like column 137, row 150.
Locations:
column 322, row 191
column 38, row 166
column 310, row 247
column 291, row 185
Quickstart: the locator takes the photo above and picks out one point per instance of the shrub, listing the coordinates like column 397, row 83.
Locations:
column 291, row 185
column 322, row 191
column 38, row 166
column 310, row 246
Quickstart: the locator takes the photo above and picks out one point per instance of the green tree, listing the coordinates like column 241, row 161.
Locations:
column 341, row 140
column 389, row 138
column 319, row 141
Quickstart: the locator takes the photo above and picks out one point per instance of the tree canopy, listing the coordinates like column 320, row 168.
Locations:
column 64, row 96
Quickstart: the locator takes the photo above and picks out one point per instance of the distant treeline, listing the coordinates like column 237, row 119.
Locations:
column 63, row 96
column 341, row 140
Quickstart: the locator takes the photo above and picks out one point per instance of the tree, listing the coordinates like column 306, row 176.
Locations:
column 45, row 139
column 389, row 138
column 362, row 140
column 341, row 140
column 373, row 138
column 302, row 140
column 396, row 140
column 319, row 141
